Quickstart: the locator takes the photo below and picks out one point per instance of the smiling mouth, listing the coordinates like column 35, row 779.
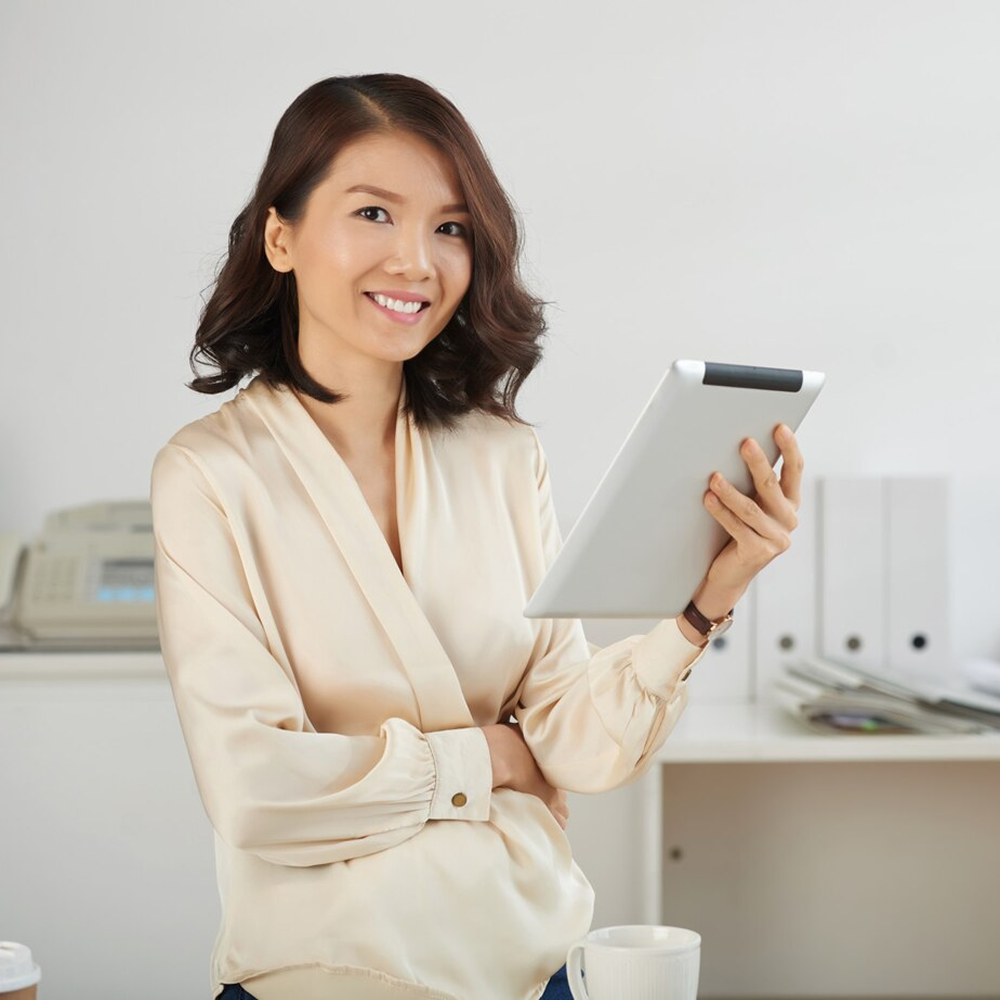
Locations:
column 423, row 306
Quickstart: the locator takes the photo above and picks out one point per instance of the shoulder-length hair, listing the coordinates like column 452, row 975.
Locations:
column 250, row 323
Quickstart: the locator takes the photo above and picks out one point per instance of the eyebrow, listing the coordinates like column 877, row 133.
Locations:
column 399, row 199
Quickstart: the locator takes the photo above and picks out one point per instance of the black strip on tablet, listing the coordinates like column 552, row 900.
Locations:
column 752, row 377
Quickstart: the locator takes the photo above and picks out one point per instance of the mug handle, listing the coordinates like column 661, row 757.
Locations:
column 574, row 963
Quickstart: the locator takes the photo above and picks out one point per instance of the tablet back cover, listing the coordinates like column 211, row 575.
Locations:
column 644, row 541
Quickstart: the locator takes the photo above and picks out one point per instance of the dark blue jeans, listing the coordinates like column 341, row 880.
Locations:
column 558, row 989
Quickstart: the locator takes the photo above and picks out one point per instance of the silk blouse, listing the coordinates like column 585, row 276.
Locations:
column 331, row 703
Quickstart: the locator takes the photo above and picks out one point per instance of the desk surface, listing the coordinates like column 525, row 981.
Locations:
column 707, row 732
column 26, row 666
column 717, row 732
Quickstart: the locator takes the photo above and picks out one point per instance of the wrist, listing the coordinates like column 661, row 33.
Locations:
column 714, row 601
column 690, row 632
column 496, row 740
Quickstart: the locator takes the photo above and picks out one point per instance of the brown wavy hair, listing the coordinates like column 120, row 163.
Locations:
column 250, row 323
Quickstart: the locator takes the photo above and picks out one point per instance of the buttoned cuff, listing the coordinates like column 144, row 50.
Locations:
column 464, row 772
column 663, row 659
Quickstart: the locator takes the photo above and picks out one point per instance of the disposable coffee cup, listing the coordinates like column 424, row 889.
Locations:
column 19, row 976
column 637, row 961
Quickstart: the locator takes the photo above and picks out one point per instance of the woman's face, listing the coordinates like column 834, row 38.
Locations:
column 414, row 237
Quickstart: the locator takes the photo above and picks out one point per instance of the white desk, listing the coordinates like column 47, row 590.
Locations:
column 877, row 879
column 80, row 666
column 743, row 731
column 116, row 805
column 109, row 869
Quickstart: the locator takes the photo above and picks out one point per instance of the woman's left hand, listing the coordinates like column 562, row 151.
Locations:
column 760, row 527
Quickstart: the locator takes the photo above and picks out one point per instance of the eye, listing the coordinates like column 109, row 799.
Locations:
column 370, row 208
column 462, row 230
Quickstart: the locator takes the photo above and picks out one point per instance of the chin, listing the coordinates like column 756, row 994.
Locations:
column 401, row 349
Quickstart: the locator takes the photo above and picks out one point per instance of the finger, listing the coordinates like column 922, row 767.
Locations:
column 747, row 510
column 769, row 492
column 753, row 549
column 556, row 808
column 791, row 464
column 738, row 529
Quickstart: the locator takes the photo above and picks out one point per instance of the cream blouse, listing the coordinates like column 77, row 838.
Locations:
column 331, row 704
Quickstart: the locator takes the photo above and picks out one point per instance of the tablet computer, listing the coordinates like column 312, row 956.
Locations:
column 644, row 541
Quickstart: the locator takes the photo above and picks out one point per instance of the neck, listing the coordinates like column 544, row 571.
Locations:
column 363, row 424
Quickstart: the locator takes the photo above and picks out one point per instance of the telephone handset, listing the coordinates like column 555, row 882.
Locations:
column 86, row 582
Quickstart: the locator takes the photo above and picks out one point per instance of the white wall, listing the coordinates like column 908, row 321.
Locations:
column 781, row 183
column 791, row 184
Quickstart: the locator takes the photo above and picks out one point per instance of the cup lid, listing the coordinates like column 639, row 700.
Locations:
column 16, row 967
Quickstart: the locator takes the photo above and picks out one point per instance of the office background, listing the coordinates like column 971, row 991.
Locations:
column 795, row 184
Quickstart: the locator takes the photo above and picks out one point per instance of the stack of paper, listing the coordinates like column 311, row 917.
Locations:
column 983, row 675
column 830, row 696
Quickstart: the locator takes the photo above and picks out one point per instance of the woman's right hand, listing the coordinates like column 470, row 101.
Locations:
column 514, row 767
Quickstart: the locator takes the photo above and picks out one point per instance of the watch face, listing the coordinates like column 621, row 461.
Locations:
column 724, row 626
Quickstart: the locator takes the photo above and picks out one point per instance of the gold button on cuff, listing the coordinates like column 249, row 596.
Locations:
column 458, row 799
column 686, row 674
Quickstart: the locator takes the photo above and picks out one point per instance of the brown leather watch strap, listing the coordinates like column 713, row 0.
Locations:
column 697, row 620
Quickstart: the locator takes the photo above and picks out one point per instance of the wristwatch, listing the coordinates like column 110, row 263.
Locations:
column 705, row 626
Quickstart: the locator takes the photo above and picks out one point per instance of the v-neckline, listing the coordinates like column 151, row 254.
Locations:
column 341, row 504
column 397, row 458
column 394, row 501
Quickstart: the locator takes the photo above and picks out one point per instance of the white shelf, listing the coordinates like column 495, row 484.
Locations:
column 21, row 666
column 718, row 732
column 707, row 732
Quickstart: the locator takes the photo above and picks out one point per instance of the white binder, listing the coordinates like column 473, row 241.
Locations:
column 916, row 525
column 852, row 578
column 786, row 613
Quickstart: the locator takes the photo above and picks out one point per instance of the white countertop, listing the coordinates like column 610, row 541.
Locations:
column 744, row 731
column 707, row 732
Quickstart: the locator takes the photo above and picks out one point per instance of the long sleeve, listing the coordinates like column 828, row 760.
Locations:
column 269, row 785
column 594, row 718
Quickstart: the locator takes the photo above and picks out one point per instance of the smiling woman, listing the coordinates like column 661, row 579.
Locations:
column 375, row 184
column 343, row 626
column 374, row 287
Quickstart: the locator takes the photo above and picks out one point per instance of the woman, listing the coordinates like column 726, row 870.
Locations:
column 343, row 553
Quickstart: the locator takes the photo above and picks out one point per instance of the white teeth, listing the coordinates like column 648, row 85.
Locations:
column 395, row 305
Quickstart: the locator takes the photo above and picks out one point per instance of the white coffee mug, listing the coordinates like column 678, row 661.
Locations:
column 635, row 962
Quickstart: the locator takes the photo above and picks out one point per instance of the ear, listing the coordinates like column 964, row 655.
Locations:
column 277, row 237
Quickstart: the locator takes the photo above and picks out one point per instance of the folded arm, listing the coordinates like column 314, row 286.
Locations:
column 269, row 785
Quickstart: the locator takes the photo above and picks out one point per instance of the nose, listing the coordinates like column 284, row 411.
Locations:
column 413, row 256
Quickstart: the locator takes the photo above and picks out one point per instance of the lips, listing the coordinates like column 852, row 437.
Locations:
column 399, row 298
column 423, row 305
column 406, row 318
